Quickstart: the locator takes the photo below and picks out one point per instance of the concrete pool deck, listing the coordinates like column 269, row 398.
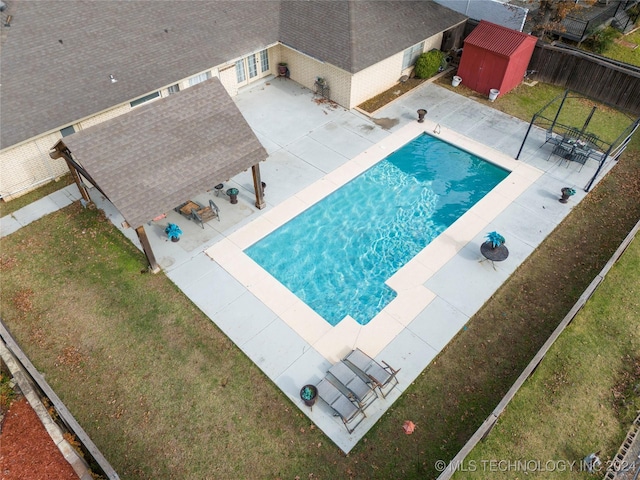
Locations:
column 314, row 148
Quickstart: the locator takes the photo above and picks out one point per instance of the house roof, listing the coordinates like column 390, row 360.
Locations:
column 356, row 34
column 159, row 155
column 498, row 39
column 57, row 55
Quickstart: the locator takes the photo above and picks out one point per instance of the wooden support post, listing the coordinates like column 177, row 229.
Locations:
column 60, row 151
column 81, row 186
column 146, row 247
column 257, row 186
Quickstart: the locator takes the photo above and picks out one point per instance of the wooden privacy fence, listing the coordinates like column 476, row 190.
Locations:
column 597, row 77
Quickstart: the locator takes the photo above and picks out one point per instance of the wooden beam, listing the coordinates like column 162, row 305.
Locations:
column 59, row 151
column 257, row 186
column 148, row 251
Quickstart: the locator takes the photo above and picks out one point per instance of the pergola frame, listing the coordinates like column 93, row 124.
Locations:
column 610, row 150
column 157, row 156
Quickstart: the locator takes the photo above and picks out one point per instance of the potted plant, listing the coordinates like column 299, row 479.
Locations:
column 493, row 248
column 566, row 193
column 495, row 239
column 173, row 232
column 308, row 394
column 233, row 195
column 421, row 113
column 283, row 69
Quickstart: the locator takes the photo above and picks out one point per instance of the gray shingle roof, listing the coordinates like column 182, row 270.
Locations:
column 356, row 34
column 57, row 55
column 159, row 155
column 47, row 84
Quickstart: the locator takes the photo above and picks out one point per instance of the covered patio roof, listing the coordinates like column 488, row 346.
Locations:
column 150, row 160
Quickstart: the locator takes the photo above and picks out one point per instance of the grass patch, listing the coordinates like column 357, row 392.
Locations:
column 524, row 101
column 164, row 394
column 7, row 393
column 623, row 49
column 7, row 208
column 584, row 395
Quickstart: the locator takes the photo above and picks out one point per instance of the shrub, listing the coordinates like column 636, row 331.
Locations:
column 602, row 39
column 429, row 63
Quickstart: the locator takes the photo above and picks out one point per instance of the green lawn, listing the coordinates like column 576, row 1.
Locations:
column 624, row 52
column 164, row 394
column 584, row 395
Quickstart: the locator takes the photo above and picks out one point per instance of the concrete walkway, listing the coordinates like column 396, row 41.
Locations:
column 314, row 148
column 38, row 209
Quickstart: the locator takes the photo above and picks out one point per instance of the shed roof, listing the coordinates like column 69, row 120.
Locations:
column 159, row 155
column 498, row 39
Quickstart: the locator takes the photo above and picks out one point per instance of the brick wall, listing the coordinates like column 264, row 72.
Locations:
column 25, row 167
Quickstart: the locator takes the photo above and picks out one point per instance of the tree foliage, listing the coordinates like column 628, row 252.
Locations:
column 552, row 12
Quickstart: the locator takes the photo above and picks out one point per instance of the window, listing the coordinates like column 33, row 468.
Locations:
column 253, row 66
column 66, row 131
column 173, row 89
column 264, row 61
column 411, row 55
column 199, row 78
column 241, row 76
column 146, row 98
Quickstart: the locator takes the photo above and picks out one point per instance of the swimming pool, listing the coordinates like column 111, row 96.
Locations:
column 336, row 255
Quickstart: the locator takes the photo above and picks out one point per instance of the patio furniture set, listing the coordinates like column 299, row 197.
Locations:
column 574, row 146
column 353, row 384
column 199, row 213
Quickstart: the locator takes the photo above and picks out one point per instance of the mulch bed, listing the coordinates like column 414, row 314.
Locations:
column 28, row 453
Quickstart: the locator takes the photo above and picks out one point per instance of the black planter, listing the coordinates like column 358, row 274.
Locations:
column 312, row 400
column 283, row 70
column 421, row 113
column 565, row 196
column 175, row 239
column 233, row 195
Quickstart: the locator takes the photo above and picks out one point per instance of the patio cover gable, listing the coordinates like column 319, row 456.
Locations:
column 157, row 156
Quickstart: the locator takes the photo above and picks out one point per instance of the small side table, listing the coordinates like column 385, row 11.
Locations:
column 497, row 254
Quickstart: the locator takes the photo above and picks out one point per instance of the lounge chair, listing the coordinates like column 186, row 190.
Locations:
column 340, row 403
column 356, row 387
column 382, row 376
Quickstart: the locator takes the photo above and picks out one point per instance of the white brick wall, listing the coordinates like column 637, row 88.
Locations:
column 29, row 165
column 304, row 70
column 383, row 75
column 102, row 117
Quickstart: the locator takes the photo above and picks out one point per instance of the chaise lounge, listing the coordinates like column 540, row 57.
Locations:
column 367, row 367
column 362, row 390
column 340, row 403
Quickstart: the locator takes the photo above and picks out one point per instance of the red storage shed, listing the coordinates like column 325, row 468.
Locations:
column 495, row 57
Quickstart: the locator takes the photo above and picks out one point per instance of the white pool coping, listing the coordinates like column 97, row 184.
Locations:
column 412, row 296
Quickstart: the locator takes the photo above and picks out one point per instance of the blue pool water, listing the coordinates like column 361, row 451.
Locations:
column 337, row 254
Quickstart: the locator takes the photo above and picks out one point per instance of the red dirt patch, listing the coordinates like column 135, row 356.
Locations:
column 27, row 449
